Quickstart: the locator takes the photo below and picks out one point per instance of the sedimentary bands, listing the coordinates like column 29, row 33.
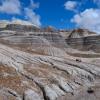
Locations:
column 49, row 65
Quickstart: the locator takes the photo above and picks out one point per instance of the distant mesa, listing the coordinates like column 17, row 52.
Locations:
column 18, row 26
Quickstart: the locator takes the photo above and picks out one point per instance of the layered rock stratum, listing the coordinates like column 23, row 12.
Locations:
column 37, row 65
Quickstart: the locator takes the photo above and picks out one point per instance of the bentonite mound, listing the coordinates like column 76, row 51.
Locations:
column 44, row 66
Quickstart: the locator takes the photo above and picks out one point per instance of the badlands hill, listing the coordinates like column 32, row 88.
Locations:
column 39, row 65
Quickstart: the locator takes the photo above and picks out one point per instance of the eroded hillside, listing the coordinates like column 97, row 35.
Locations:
column 46, row 65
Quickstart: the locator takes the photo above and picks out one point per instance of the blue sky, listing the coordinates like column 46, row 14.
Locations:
column 62, row 14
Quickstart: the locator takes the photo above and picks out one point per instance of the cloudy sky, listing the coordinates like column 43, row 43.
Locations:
column 62, row 14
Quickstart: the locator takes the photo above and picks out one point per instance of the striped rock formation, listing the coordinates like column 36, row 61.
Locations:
column 43, row 66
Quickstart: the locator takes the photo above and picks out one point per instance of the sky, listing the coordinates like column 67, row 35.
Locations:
column 61, row 14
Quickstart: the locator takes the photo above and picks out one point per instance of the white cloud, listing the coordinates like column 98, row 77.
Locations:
column 14, row 7
column 34, row 5
column 70, row 5
column 10, row 6
column 20, row 21
column 32, row 17
column 89, row 19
